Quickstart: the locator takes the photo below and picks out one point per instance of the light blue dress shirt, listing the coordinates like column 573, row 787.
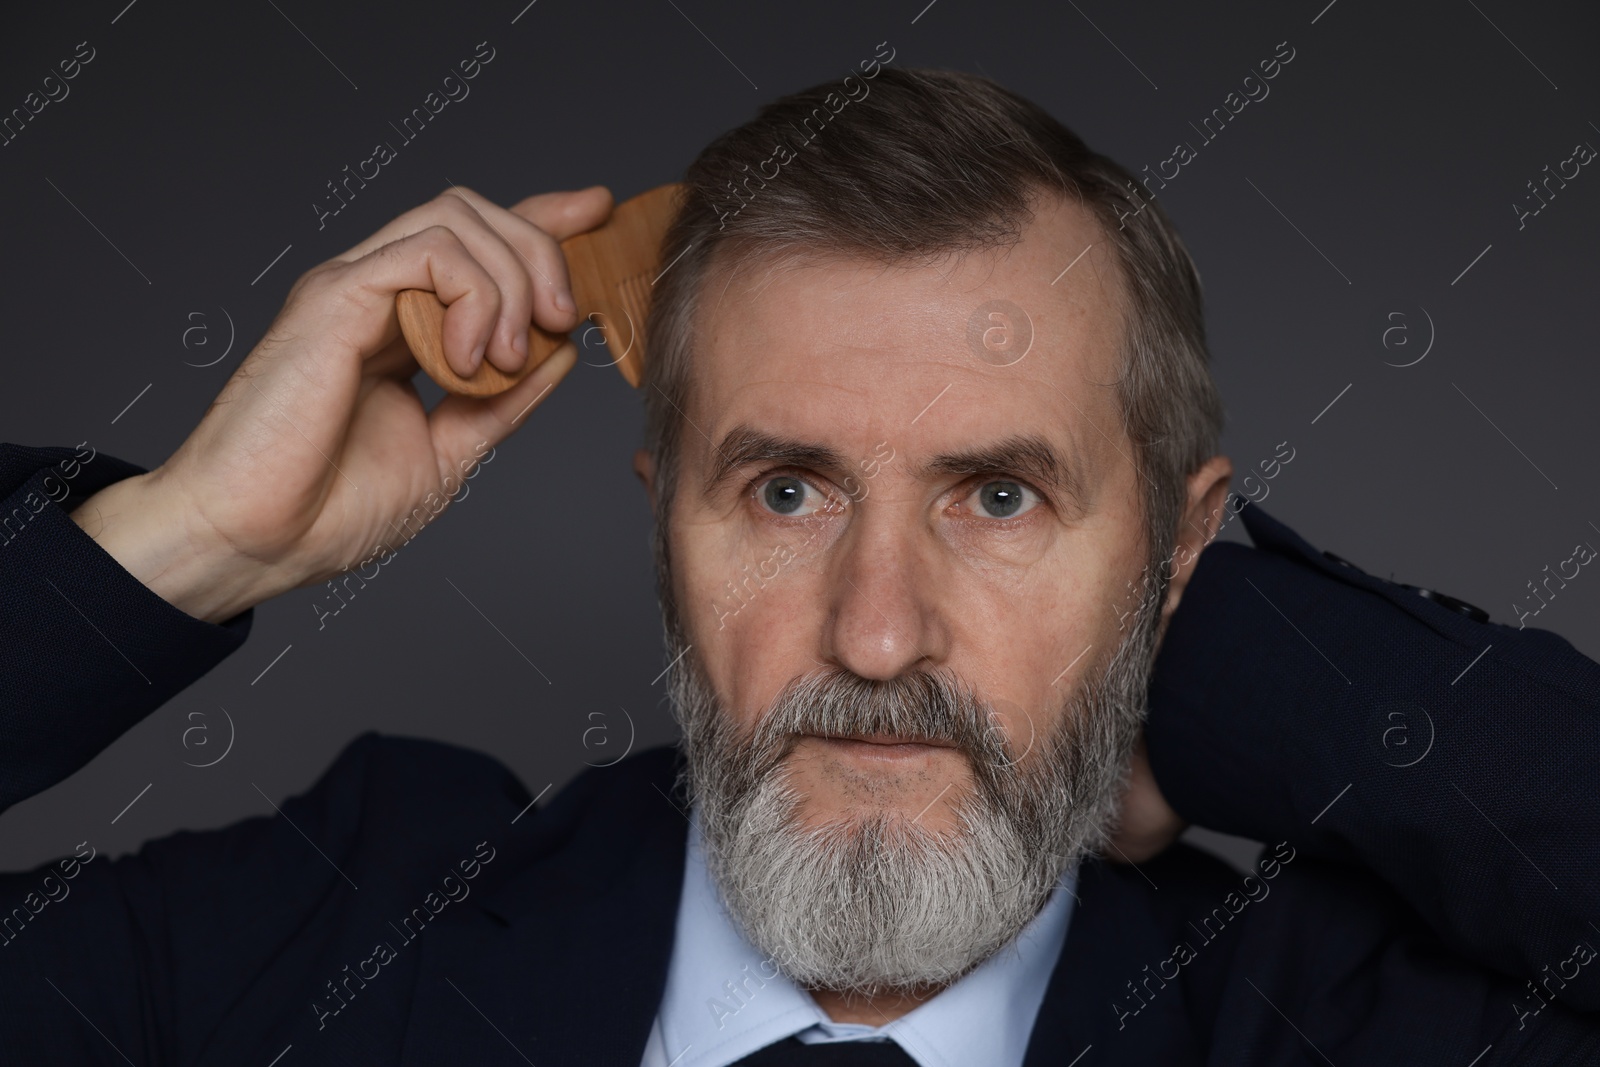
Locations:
column 724, row 1000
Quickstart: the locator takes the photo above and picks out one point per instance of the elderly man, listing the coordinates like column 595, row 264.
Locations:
column 931, row 443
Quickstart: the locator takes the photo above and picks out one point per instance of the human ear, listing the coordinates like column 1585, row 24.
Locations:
column 644, row 465
column 1202, row 519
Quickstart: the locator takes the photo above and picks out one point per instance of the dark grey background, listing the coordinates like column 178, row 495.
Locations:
column 191, row 149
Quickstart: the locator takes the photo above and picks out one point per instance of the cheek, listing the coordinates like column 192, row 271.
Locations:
column 1028, row 617
column 752, row 607
column 726, row 581
column 1027, row 645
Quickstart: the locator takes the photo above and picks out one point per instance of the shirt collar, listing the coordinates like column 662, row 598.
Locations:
column 724, row 1000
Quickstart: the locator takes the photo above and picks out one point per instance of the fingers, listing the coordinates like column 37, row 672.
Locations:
column 542, row 291
column 524, row 260
column 461, row 424
column 565, row 214
column 507, row 344
column 353, row 303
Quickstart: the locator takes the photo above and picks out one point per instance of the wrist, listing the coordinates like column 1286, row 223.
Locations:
column 147, row 526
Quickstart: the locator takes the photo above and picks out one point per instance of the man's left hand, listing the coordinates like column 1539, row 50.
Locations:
column 1147, row 824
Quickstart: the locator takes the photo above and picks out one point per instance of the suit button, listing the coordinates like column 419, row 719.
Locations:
column 1460, row 607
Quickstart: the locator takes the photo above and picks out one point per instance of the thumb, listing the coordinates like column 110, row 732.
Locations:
column 461, row 425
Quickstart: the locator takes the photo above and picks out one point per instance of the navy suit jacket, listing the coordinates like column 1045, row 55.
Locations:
column 402, row 912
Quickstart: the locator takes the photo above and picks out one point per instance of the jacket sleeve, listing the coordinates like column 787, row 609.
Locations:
column 1298, row 698
column 86, row 650
column 199, row 944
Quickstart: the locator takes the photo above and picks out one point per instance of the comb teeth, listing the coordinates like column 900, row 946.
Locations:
column 610, row 269
column 631, row 296
column 634, row 294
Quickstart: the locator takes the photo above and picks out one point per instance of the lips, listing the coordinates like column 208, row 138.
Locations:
column 891, row 739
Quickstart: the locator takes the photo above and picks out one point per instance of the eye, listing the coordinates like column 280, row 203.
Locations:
column 788, row 496
column 1004, row 499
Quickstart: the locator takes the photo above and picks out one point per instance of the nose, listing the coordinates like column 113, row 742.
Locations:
column 884, row 614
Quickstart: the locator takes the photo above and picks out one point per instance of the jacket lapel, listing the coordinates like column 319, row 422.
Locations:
column 1087, row 1016
column 565, row 960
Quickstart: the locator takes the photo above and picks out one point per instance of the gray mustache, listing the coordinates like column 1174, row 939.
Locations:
column 834, row 701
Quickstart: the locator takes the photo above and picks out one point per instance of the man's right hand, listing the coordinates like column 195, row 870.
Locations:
column 319, row 441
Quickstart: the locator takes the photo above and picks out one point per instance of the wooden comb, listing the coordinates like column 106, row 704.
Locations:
column 612, row 269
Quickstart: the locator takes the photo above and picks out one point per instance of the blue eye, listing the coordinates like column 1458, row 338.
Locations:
column 787, row 495
column 1004, row 500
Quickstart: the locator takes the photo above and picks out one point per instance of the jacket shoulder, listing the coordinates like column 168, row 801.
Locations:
column 381, row 793
column 417, row 784
column 1540, row 655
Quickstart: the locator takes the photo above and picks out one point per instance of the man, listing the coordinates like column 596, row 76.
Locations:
column 927, row 505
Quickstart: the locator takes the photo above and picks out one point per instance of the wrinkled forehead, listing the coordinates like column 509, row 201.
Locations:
column 1023, row 340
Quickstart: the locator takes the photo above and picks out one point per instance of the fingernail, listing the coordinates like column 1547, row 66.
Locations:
column 476, row 358
column 564, row 301
column 519, row 343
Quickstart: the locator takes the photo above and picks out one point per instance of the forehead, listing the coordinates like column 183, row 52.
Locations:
column 977, row 346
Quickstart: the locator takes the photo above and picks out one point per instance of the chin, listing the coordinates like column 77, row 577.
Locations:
column 820, row 883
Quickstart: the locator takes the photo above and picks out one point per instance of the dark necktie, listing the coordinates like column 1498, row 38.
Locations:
column 792, row 1052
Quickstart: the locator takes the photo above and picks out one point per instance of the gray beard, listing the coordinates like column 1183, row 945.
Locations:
column 881, row 903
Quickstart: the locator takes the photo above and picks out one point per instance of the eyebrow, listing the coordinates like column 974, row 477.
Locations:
column 1029, row 456
column 744, row 445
